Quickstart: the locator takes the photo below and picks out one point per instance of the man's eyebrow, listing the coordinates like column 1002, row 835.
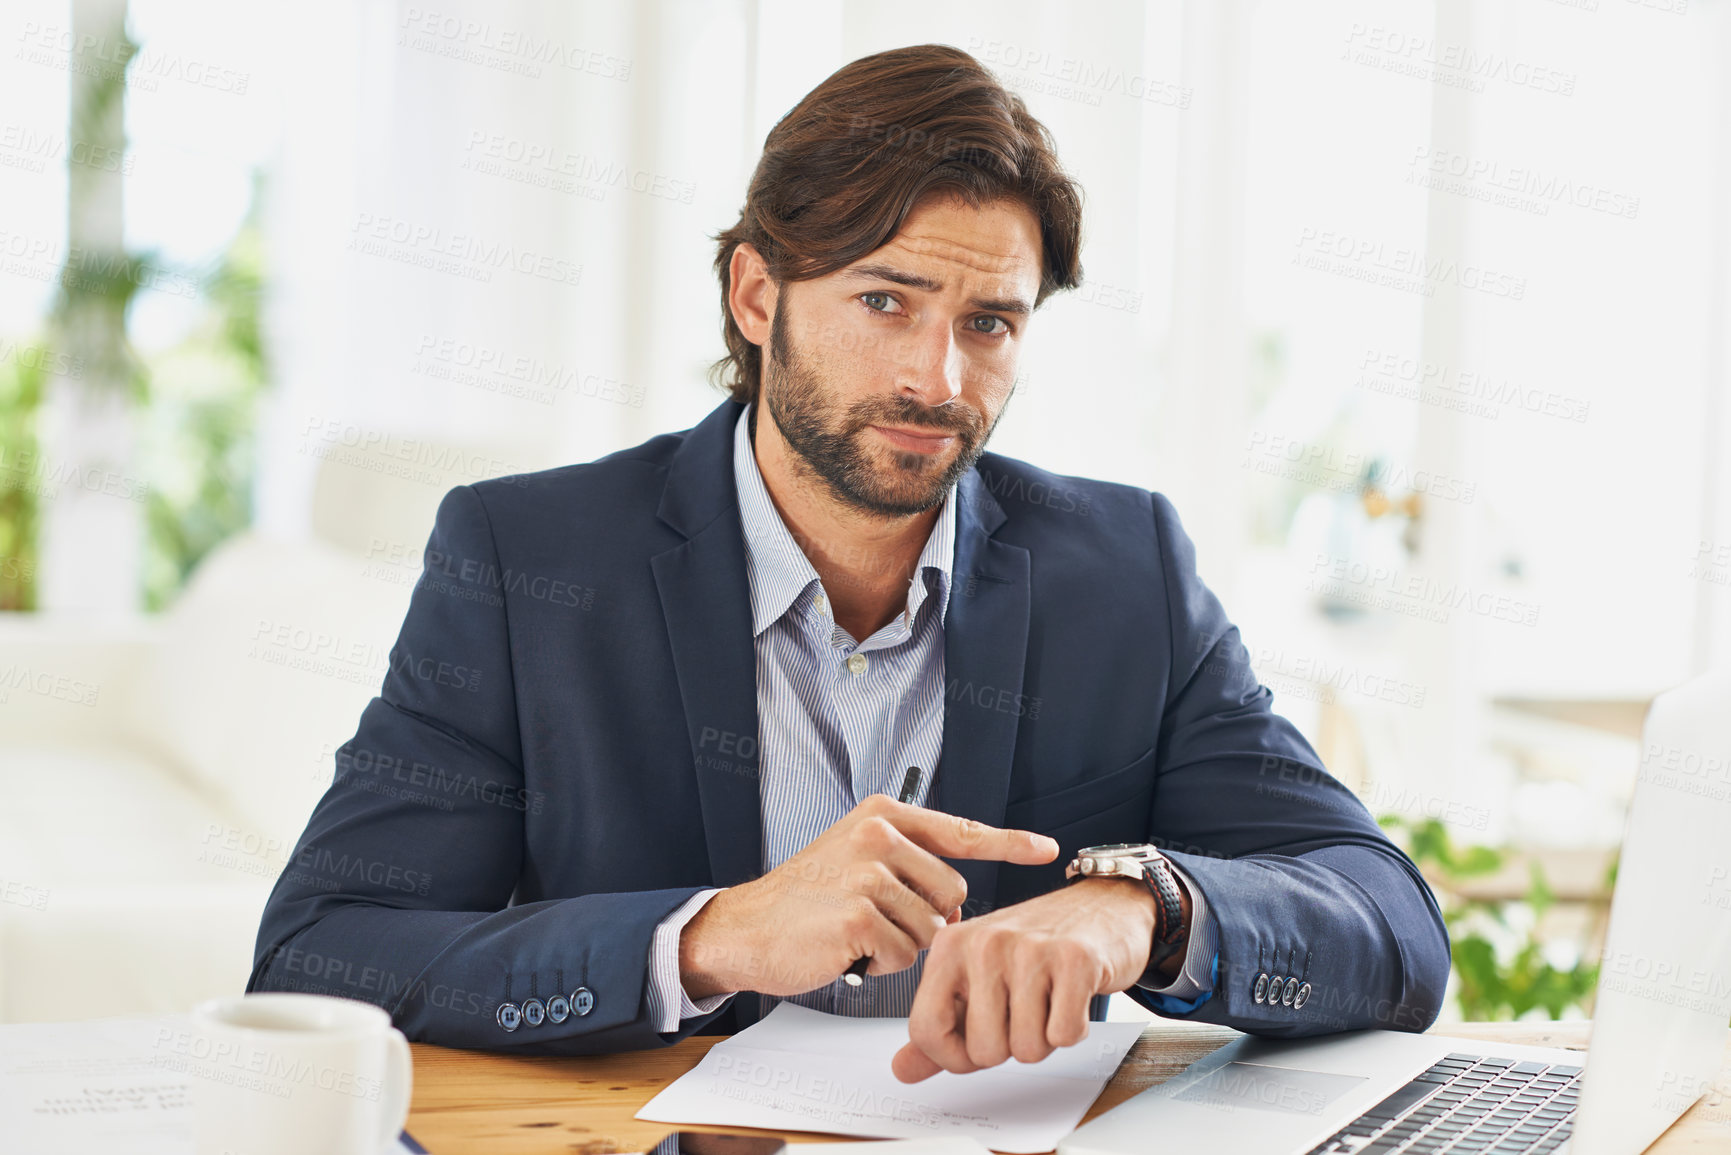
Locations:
column 914, row 281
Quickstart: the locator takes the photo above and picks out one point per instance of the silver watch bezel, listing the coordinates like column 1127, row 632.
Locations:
column 1113, row 860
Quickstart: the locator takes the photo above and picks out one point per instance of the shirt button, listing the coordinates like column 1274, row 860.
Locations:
column 820, row 602
column 857, row 663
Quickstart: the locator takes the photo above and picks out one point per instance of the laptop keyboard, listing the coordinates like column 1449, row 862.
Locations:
column 1468, row 1103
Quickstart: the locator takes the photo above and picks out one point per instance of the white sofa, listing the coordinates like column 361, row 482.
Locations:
column 155, row 775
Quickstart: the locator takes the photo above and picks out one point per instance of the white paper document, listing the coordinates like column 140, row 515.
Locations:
column 952, row 1146
column 802, row 1070
column 93, row 1087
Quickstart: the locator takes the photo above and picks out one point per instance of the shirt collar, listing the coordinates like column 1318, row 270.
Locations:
column 778, row 570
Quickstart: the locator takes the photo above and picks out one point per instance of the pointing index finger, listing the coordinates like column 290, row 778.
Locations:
column 952, row 836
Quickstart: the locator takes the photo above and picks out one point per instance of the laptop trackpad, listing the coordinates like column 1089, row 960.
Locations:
column 1285, row 1090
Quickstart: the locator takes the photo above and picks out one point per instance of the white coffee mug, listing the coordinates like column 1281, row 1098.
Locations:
column 286, row 1074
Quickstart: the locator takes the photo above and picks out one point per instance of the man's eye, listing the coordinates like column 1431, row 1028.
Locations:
column 878, row 302
column 989, row 322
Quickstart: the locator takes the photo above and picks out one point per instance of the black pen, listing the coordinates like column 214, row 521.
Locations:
column 854, row 975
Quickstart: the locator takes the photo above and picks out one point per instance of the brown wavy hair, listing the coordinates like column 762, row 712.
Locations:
column 842, row 170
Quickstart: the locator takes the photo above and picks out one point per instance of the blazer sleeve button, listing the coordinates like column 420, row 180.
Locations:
column 510, row 1017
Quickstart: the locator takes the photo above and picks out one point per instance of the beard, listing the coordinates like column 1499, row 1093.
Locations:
column 832, row 442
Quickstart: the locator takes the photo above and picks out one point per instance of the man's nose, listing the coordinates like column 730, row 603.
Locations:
column 932, row 372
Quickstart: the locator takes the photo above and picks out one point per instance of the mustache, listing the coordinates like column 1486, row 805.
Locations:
column 960, row 421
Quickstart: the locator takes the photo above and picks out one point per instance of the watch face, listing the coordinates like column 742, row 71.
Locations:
column 1118, row 850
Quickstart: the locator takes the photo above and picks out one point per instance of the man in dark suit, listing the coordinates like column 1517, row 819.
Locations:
column 633, row 770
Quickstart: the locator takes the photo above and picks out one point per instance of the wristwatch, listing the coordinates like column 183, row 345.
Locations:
column 1139, row 860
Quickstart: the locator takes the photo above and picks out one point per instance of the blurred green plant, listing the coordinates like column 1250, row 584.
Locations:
column 20, row 396
column 1493, row 983
column 197, row 404
column 198, row 444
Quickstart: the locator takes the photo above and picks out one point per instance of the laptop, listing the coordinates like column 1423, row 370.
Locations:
column 1659, row 1021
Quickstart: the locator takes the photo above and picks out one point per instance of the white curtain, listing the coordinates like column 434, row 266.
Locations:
column 1217, row 143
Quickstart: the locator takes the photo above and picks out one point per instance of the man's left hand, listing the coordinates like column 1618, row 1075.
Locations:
column 1016, row 982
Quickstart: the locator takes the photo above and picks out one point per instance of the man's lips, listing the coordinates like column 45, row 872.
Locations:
column 918, row 440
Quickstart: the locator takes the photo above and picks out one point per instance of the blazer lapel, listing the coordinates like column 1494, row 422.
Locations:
column 985, row 653
column 707, row 605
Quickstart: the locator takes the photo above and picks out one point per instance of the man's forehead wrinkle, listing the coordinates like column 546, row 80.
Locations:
column 954, row 252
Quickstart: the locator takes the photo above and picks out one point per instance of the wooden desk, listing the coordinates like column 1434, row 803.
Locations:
column 467, row 1103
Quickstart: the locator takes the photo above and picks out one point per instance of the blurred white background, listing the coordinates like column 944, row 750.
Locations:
column 1416, row 310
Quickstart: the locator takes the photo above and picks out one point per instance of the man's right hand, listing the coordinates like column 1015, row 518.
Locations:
column 874, row 884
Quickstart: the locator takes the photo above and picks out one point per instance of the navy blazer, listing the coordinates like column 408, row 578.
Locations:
column 564, row 750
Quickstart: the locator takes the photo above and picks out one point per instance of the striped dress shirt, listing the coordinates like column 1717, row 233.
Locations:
column 840, row 719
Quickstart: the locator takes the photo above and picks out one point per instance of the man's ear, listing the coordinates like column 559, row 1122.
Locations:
column 751, row 293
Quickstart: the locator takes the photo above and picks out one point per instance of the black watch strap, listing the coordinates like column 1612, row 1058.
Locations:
column 1169, row 936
